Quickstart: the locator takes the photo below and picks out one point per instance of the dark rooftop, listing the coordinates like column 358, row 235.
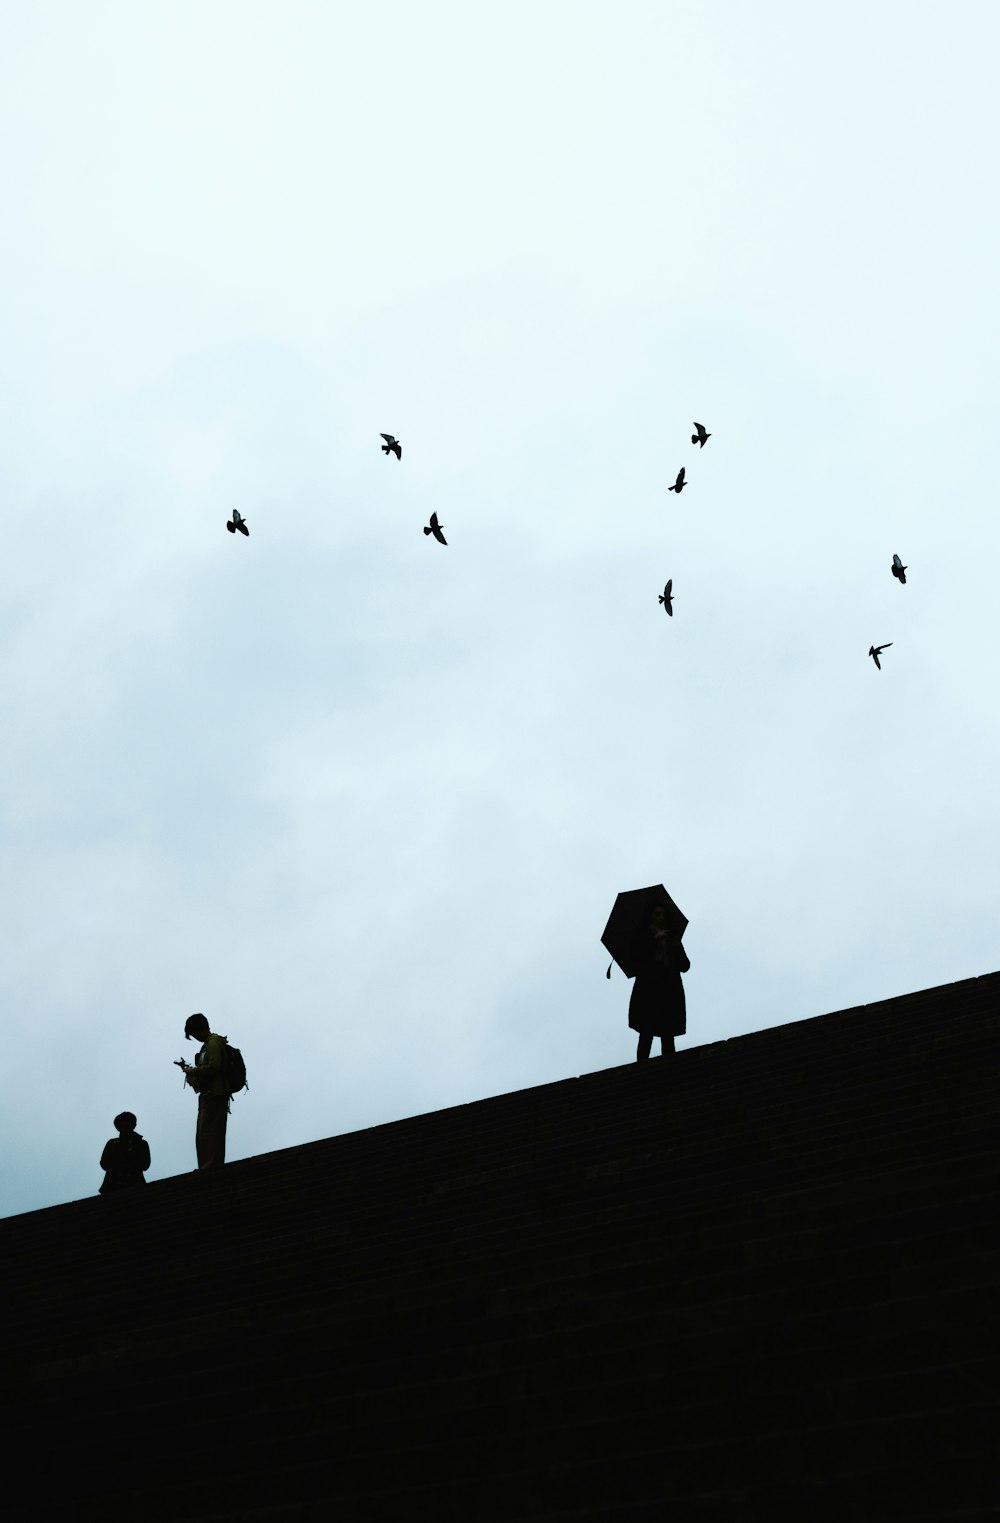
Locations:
column 756, row 1280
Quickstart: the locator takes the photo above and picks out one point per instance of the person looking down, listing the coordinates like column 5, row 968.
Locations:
column 207, row 1077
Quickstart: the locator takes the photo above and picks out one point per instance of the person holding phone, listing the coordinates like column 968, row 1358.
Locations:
column 207, row 1077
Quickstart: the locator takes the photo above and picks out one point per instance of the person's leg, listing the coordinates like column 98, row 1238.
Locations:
column 645, row 1045
column 211, row 1135
column 201, row 1132
column 219, row 1120
column 667, row 1045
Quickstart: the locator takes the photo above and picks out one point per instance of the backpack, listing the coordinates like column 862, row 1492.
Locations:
column 236, row 1071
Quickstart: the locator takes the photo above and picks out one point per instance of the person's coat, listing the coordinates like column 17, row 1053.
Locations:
column 657, row 1007
column 124, row 1161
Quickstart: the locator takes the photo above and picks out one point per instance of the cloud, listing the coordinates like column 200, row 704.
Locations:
column 366, row 800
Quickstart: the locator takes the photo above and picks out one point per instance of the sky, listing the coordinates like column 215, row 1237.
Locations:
column 366, row 800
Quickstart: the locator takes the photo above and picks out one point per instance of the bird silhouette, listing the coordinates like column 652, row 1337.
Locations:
column 435, row 528
column 236, row 522
column 392, row 445
column 898, row 569
column 873, row 651
column 700, row 436
column 680, row 483
column 667, row 598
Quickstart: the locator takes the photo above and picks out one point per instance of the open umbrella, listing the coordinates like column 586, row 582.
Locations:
column 628, row 920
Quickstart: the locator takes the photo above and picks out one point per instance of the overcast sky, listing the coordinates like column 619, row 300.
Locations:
column 366, row 800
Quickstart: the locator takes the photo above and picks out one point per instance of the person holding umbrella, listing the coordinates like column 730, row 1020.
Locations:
column 657, row 1004
column 643, row 936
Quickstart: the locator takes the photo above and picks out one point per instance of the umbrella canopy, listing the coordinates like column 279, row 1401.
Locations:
column 629, row 919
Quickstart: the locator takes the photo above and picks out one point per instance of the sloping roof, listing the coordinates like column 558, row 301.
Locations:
column 754, row 1280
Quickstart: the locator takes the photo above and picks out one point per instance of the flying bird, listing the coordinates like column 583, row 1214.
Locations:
column 873, row 651
column 700, row 436
column 435, row 528
column 392, row 445
column 236, row 522
column 667, row 598
column 680, row 483
column 898, row 569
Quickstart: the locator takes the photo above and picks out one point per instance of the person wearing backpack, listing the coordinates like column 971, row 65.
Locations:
column 208, row 1077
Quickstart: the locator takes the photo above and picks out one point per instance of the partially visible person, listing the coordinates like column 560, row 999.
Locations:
column 125, row 1158
column 207, row 1077
column 657, row 1006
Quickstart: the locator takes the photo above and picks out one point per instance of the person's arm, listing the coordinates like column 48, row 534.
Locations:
column 676, row 952
column 108, row 1156
column 144, row 1155
column 203, row 1075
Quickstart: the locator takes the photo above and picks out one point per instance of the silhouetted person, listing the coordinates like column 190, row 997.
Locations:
column 207, row 1077
column 125, row 1158
column 657, row 1005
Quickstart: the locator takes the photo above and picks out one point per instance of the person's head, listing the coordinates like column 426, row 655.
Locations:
column 125, row 1123
column 658, row 916
column 196, row 1026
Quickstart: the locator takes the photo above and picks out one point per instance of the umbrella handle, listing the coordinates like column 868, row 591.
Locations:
column 608, row 973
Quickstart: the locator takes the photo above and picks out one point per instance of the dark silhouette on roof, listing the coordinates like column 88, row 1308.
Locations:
column 680, row 483
column 667, row 598
column 700, row 436
column 392, row 446
column 898, row 569
column 435, row 528
column 875, row 651
column 657, row 1006
column 237, row 522
column 125, row 1158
